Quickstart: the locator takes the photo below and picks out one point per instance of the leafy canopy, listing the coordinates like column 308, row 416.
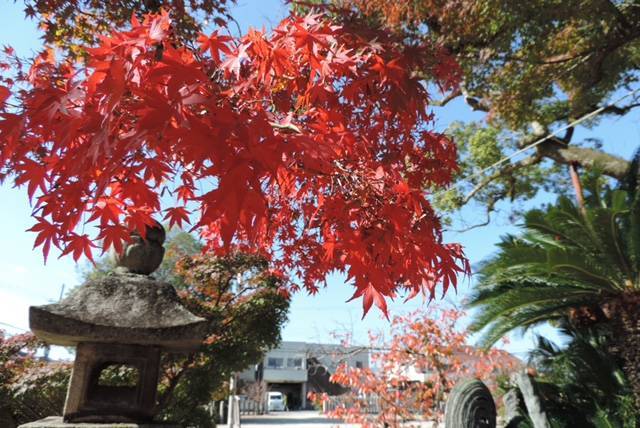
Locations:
column 311, row 143
column 530, row 67
column 72, row 25
column 246, row 310
column 527, row 61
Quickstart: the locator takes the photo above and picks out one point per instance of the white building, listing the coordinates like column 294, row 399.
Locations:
column 297, row 368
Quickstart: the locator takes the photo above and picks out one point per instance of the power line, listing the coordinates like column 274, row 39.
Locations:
column 537, row 142
column 13, row 326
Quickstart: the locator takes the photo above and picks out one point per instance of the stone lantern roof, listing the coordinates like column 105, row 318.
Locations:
column 121, row 307
column 127, row 305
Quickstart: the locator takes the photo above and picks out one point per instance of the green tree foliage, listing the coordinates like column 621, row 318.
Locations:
column 179, row 244
column 532, row 67
column 568, row 263
column 582, row 383
column 246, row 310
column 74, row 24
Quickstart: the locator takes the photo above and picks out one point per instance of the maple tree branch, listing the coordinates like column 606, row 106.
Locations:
column 173, row 382
column 288, row 127
column 232, row 19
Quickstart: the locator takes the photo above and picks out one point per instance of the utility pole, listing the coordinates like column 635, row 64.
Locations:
column 234, row 403
column 233, row 418
column 47, row 348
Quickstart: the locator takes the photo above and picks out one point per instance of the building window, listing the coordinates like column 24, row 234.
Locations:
column 294, row 363
column 358, row 364
column 275, row 363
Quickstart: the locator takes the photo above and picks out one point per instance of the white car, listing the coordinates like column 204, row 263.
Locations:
column 275, row 401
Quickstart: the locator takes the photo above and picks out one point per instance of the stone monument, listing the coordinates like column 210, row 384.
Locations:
column 124, row 319
column 470, row 405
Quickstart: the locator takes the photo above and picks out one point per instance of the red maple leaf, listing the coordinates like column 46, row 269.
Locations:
column 309, row 144
column 78, row 245
column 215, row 44
column 47, row 234
column 113, row 236
column 177, row 215
column 5, row 93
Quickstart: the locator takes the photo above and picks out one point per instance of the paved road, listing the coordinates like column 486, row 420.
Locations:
column 302, row 419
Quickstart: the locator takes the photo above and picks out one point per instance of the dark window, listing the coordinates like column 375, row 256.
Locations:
column 294, row 363
column 358, row 364
column 275, row 363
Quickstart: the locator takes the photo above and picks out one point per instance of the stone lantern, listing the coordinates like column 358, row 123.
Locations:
column 124, row 319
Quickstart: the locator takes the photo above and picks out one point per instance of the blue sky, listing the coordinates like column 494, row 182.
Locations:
column 25, row 280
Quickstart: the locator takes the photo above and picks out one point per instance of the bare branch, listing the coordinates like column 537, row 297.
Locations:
column 475, row 226
column 451, row 96
column 505, row 170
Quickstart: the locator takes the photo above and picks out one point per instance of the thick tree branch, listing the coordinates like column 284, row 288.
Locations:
column 476, row 104
column 451, row 96
column 609, row 165
column 620, row 111
column 562, row 153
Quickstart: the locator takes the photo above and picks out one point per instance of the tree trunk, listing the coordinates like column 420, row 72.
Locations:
column 6, row 418
column 627, row 340
column 531, row 400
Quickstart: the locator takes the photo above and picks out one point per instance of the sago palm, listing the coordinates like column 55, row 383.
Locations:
column 579, row 264
column 581, row 383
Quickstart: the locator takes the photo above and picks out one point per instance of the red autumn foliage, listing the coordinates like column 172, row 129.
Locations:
column 413, row 371
column 30, row 387
column 310, row 145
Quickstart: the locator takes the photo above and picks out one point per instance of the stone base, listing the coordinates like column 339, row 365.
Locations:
column 57, row 422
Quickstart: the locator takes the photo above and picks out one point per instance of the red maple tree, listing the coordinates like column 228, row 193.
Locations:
column 311, row 144
column 412, row 371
